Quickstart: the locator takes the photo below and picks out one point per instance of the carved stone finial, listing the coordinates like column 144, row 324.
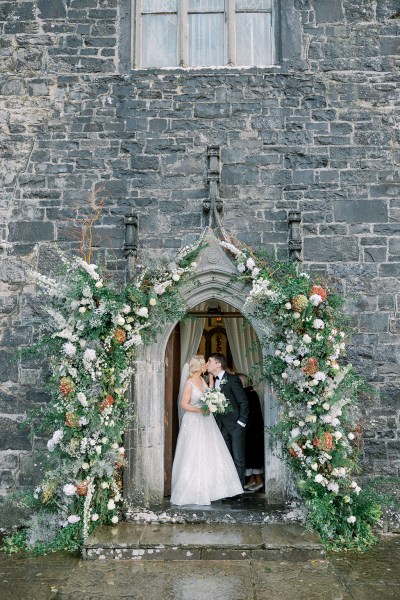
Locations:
column 295, row 241
column 213, row 204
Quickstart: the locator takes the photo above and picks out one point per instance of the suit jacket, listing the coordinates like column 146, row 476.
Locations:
column 233, row 390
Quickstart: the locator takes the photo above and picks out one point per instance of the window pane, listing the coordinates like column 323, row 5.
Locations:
column 206, row 5
column 159, row 35
column 253, row 39
column 206, row 40
column 253, row 4
column 158, row 6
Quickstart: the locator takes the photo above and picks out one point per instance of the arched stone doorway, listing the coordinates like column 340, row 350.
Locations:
column 144, row 437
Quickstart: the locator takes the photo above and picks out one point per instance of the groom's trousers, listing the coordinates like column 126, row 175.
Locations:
column 235, row 440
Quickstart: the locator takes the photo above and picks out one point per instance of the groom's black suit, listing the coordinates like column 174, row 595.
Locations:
column 233, row 433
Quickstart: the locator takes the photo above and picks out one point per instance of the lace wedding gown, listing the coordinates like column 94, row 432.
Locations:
column 203, row 468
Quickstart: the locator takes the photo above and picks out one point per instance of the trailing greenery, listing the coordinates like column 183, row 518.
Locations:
column 305, row 338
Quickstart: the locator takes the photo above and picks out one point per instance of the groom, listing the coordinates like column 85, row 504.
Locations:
column 232, row 425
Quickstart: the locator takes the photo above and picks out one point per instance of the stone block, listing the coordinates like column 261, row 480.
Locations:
column 12, row 437
column 375, row 255
column 331, row 249
column 390, row 46
column 8, row 366
column 51, row 10
column 12, row 403
column 31, row 231
column 145, row 163
column 361, row 211
column 211, row 111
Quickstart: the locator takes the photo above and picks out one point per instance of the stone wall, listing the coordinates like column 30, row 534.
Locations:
column 316, row 133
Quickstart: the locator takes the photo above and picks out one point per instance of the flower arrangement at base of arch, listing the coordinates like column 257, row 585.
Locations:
column 95, row 332
column 316, row 392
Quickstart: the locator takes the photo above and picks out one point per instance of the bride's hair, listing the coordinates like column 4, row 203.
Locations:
column 195, row 363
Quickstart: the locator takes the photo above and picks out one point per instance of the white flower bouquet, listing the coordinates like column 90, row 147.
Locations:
column 214, row 401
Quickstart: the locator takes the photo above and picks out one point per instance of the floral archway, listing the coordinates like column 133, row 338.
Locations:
column 97, row 330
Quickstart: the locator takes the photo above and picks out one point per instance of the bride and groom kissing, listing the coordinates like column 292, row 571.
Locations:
column 209, row 461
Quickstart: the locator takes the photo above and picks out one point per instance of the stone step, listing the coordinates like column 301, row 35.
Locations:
column 209, row 541
column 253, row 509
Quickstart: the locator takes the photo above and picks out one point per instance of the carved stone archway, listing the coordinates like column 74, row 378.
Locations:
column 144, row 437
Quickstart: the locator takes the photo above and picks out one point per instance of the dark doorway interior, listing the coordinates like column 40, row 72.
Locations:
column 172, row 380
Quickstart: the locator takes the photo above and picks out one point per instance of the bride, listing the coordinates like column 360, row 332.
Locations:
column 203, row 468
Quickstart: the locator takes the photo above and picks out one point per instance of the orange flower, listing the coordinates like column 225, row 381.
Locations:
column 66, row 386
column 320, row 291
column 119, row 335
column 325, row 442
column 310, row 366
column 71, row 420
column 81, row 488
column 106, row 403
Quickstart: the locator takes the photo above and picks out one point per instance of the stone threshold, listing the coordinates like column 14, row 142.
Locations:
column 203, row 541
column 254, row 509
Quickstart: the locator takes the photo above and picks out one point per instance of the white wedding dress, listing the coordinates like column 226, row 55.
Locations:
column 203, row 468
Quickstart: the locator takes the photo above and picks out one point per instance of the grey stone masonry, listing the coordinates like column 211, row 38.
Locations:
column 318, row 133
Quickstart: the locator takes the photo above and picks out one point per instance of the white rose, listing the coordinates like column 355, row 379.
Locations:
column 346, row 499
column 114, row 520
column 126, row 309
column 351, row 436
column 82, row 398
column 111, row 504
column 152, row 301
column 301, row 423
column 176, row 276
column 105, row 485
column 142, row 312
column 99, row 284
column 85, row 466
column 318, row 478
column 342, row 334
column 284, row 375
column 212, row 408
column 69, row 349
column 311, row 419
column 288, row 306
column 296, row 315
column 351, row 519
column 326, row 406
column 289, row 348
column 250, row 264
column 314, row 466
column 193, row 265
column 98, row 449
column 114, row 446
column 307, row 339
column 296, row 363
column 241, row 267
column 128, row 327
column 255, row 272
column 82, row 309
column 69, row 489
column 95, row 517
column 73, row 519
column 104, row 440
column 277, row 352
column 338, row 435
column 120, row 320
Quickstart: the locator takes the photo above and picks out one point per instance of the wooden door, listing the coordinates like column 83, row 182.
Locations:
column 172, row 381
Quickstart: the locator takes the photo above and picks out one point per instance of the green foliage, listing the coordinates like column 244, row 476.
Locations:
column 317, row 393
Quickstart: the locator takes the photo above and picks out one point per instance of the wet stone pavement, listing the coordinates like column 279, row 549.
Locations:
column 374, row 575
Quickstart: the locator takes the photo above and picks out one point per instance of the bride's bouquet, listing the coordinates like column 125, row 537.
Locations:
column 214, row 401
